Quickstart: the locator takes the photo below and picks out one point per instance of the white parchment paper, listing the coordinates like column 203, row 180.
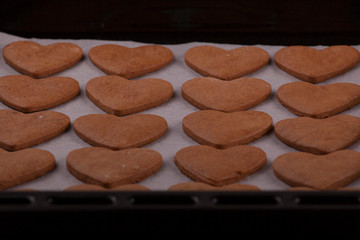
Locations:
column 177, row 72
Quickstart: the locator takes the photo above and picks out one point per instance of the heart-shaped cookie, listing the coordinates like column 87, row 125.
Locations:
column 223, row 130
column 109, row 131
column 323, row 172
column 227, row 96
column 119, row 96
column 107, row 168
column 130, row 62
column 37, row 61
column 310, row 100
column 211, row 61
column 23, row 166
column 219, row 167
column 199, row 186
column 27, row 94
column 314, row 65
column 319, row 136
column 19, row 130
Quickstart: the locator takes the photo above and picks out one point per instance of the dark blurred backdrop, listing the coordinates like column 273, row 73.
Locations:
column 233, row 21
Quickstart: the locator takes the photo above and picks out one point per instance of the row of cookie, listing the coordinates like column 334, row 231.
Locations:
column 305, row 63
column 303, row 133
column 119, row 96
column 217, row 168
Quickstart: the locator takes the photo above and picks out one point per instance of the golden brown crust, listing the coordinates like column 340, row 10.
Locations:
column 319, row 136
column 318, row 101
column 19, row 130
column 105, row 130
column 223, row 130
column 23, row 166
column 27, row 94
column 219, row 167
column 37, row 61
column 130, row 62
column 211, row 61
column 227, row 96
column 119, row 96
column 313, row 65
column 109, row 169
column 323, row 172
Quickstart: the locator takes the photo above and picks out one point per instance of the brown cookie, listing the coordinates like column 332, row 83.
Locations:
column 295, row 189
column 93, row 187
column 119, row 96
column 323, row 172
column 109, row 169
column 105, row 130
column 27, row 94
column 130, row 62
column 227, row 96
column 199, row 186
column 314, row 65
column 37, row 61
column 216, row 62
column 319, row 136
column 223, row 130
column 23, row 166
column 309, row 100
column 19, row 130
column 219, row 167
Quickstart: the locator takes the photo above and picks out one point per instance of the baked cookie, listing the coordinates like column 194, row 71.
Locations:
column 19, row 130
column 109, row 169
column 27, row 94
column 319, row 136
column 199, row 186
column 219, row 167
column 309, row 100
column 37, row 61
column 93, row 187
column 223, row 130
column 323, row 172
column 130, row 62
column 227, row 96
column 109, row 131
column 23, row 166
column 119, row 96
column 211, row 61
column 314, row 65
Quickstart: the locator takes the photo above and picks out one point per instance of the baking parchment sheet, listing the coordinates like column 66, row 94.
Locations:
column 177, row 72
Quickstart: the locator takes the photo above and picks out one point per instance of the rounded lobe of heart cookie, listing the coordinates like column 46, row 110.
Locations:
column 27, row 94
column 130, row 62
column 314, row 65
column 223, row 130
column 319, row 136
column 19, row 130
column 110, row 169
column 219, row 167
column 211, row 61
column 116, row 133
column 199, row 186
column 119, row 96
column 227, row 96
column 23, row 166
column 318, row 101
column 322, row 172
column 38, row 61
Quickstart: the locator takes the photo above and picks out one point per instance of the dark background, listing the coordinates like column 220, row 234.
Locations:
column 245, row 22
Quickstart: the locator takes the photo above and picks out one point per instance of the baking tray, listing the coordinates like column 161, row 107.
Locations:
column 159, row 211
column 273, row 209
